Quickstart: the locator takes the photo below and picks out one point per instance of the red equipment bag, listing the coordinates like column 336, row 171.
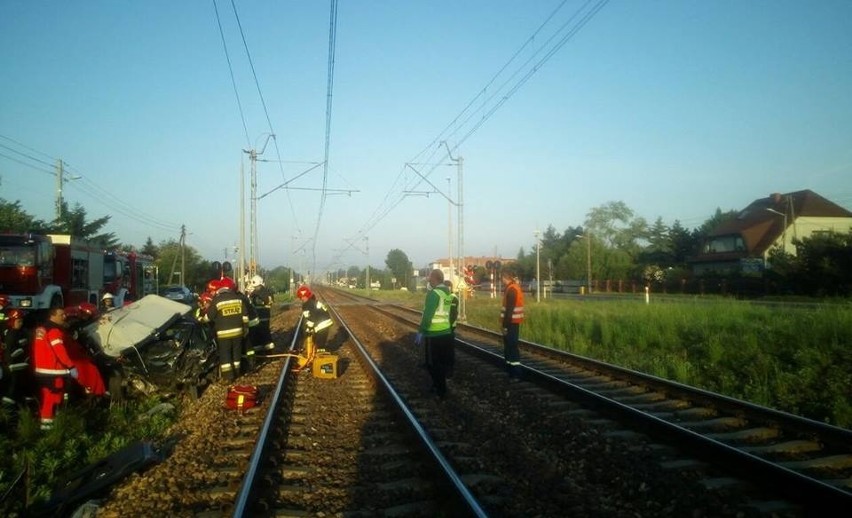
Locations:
column 242, row 397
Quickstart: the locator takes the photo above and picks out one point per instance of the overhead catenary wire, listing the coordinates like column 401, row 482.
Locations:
column 231, row 70
column 463, row 123
column 332, row 43
column 83, row 185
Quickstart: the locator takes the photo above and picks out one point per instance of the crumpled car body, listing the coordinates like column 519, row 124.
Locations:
column 153, row 345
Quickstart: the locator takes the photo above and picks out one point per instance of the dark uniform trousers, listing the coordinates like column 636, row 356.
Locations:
column 440, row 360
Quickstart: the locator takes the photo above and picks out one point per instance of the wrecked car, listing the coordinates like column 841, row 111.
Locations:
column 153, row 345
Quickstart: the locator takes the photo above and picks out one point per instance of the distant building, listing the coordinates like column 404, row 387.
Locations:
column 743, row 244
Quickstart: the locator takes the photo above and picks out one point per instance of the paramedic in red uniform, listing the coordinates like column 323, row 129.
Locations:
column 51, row 364
column 90, row 378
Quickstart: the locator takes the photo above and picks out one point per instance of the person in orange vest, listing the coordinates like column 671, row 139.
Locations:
column 511, row 316
column 51, row 364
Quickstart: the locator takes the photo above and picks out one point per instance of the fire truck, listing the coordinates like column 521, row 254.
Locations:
column 54, row 270
column 129, row 276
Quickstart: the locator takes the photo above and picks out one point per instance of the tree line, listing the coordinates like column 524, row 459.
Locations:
column 615, row 248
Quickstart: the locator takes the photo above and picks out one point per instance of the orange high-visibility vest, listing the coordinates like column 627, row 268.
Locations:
column 518, row 311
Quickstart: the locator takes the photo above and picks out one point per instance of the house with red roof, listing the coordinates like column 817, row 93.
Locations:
column 743, row 243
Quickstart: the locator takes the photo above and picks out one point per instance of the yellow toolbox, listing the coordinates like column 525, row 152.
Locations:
column 325, row 366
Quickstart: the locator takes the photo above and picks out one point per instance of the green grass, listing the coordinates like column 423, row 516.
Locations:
column 81, row 434
column 796, row 358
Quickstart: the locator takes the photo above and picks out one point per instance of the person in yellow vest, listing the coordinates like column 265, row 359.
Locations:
column 436, row 333
column 511, row 316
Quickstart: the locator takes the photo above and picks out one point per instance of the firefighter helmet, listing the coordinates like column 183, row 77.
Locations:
column 256, row 281
column 303, row 292
column 88, row 310
column 227, row 283
column 107, row 295
column 213, row 286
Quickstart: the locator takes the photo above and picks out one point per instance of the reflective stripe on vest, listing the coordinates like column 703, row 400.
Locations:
column 441, row 318
column 518, row 311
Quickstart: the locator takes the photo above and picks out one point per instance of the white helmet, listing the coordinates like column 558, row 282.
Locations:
column 256, row 281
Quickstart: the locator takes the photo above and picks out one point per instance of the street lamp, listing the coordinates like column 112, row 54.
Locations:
column 588, row 237
column 537, row 266
column 784, row 230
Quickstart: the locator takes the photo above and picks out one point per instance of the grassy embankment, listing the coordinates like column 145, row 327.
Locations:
column 793, row 358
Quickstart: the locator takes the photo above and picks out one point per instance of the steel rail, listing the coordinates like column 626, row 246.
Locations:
column 247, row 486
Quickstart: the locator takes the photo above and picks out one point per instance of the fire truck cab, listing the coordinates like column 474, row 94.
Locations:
column 54, row 270
column 129, row 276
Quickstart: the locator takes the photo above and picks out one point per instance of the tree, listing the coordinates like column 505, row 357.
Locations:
column 74, row 222
column 399, row 265
column 198, row 271
column 683, row 243
column 16, row 220
column 150, row 248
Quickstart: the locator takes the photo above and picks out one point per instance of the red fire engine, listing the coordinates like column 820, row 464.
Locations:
column 129, row 276
column 38, row 272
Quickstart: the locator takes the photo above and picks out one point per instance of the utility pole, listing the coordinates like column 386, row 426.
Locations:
column 253, row 249
column 460, row 205
column 60, row 180
column 369, row 285
column 449, row 229
column 241, row 262
column 537, row 266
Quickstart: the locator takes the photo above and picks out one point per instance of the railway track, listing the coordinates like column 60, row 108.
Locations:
column 776, row 461
column 575, row 438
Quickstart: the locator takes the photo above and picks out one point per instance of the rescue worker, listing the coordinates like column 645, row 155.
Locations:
column 89, row 378
column 4, row 302
column 203, row 304
column 51, row 364
column 251, row 321
column 454, row 316
column 108, row 302
column 261, row 300
column 511, row 316
column 15, row 360
column 228, row 314
column 315, row 316
column 435, row 331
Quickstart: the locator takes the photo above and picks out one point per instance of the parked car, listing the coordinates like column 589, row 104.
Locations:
column 179, row 293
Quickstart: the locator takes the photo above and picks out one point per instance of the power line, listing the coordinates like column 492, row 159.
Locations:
column 564, row 33
column 231, row 70
column 84, row 185
column 332, row 44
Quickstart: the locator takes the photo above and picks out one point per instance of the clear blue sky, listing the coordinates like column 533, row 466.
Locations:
column 675, row 108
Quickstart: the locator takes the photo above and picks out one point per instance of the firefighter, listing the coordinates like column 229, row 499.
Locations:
column 250, row 321
column 15, row 359
column 51, row 364
column 261, row 299
column 228, row 313
column 315, row 317
column 108, row 302
column 203, row 304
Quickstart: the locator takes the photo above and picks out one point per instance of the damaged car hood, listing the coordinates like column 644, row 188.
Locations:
column 135, row 324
